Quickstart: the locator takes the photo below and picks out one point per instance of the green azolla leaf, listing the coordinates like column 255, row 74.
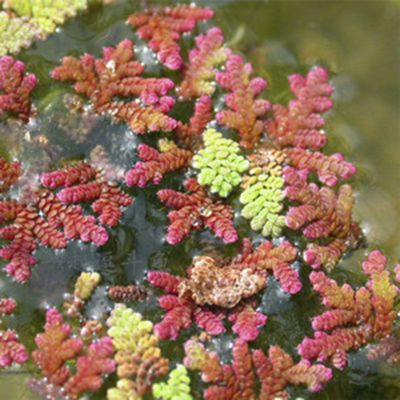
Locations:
column 222, row 156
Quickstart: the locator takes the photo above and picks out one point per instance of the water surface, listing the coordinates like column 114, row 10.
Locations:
column 358, row 41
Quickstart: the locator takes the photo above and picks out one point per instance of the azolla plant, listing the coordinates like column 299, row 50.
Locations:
column 24, row 21
column 242, row 160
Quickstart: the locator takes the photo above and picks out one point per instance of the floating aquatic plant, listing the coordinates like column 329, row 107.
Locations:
column 46, row 14
column 7, row 306
column 263, row 192
column 180, row 311
column 247, row 322
column 237, row 380
column 189, row 134
column 356, row 317
column 322, row 213
column 128, row 293
column 57, row 348
column 194, row 210
column 209, row 285
column 16, row 33
column 300, row 125
column 226, row 285
column 138, row 356
column 84, row 288
column 164, row 26
column 25, row 21
column 118, row 75
column 9, row 173
column 386, row 349
column 177, row 386
column 293, row 133
column 220, row 163
column 155, row 164
column 284, row 179
column 245, row 112
column 15, row 88
column 210, row 52
column 54, row 219
column 82, row 182
column 12, row 351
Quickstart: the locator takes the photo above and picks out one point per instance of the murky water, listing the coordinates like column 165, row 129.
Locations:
column 359, row 41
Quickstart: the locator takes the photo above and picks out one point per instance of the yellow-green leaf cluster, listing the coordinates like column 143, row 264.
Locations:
column 220, row 164
column 177, row 387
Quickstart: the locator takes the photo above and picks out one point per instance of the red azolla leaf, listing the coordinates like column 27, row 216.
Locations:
column 165, row 281
column 321, row 213
column 11, row 350
column 91, row 368
column 176, row 319
column 247, row 323
column 276, row 372
column 244, row 111
column 15, row 88
column 208, row 54
column 163, row 27
column 189, row 134
column 54, row 347
column 156, row 164
column 300, row 125
column 115, row 76
column 354, row 317
column 209, row 321
column 7, row 306
column 196, row 209
column 9, row 173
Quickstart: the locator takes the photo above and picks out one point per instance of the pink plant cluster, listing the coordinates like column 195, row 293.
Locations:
column 56, row 347
column 53, row 219
column 274, row 371
column 9, row 174
column 355, row 317
column 206, row 299
column 12, row 351
column 15, row 88
column 284, row 144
